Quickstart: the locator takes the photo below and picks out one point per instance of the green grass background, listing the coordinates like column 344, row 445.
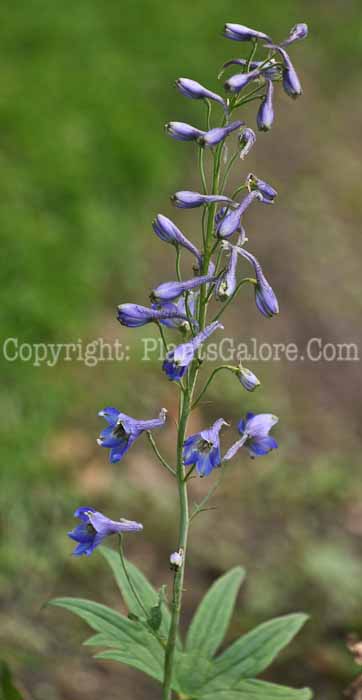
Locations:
column 84, row 167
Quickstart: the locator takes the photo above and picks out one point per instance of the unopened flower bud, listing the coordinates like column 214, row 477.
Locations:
column 299, row 31
column 238, row 32
column 237, row 82
column 189, row 200
column 248, row 379
column 215, row 136
column 191, row 88
column 176, row 560
column 182, row 132
column 265, row 115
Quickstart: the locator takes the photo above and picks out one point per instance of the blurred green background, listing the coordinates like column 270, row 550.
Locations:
column 84, row 166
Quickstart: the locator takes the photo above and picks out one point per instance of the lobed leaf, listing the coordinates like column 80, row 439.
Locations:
column 212, row 617
column 249, row 689
column 148, row 595
column 254, row 652
column 130, row 636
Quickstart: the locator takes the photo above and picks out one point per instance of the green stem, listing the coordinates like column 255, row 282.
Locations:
column 202, row 168
column 186, row 400
column 207, row 384
column 159, row 455
column 163, row 337
column 178, row 263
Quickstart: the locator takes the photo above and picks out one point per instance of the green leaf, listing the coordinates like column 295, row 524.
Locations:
column 155, row 616
column 145, row 591
column 132, row 637
column 137, row 656
column 254, row 652
column 191, row 673
column 101, row 640
column 259, row 690
column 211, row 620
column 7, row 688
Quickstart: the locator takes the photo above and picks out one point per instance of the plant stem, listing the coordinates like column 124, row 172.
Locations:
column 211, row 377
column 185, row 404
column 158, row 454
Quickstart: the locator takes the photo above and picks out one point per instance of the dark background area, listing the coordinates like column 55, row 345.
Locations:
column 84, row 166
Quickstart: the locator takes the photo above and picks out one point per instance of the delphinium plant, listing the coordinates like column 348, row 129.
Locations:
column 148, row 638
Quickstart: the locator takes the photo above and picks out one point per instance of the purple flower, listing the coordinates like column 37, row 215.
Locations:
column 123, row 431
column 166, row 230
column 265, row 115
column 226, row 284
column 181, row 321
column 299, row 31
column 267, row 191
column 182, row 132
column 255, row 435
column 178, row 360
column 247, row 140
column 248, row 379
column 168, row 291
column 237, row 82
column 291, row 82
column 95, row 527
column 192, row 89
column 134, row 315
column 268, row 70
column 203, row 449
column 189, row 200
column 231, row 222
column 265, row 298
column 238, row 32
column 215, row 136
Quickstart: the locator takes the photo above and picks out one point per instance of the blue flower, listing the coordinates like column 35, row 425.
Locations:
column 182, row 321
column 237, row 82
column 182, row 132
column 215, row 136
column 167, row 231
column 247, row 140
column 227, row 226
column 189, row 200
column 299, row 31
column 265, row 114
column 255, row 436
column 265, row 298
column 291, row 82
column 238, row 32
column 203, row 449
column 267, row 191
column 134, row 315
column 95, row 527
column 178, row 360
column 168, row 291
column 191, row 88
column 123, row 431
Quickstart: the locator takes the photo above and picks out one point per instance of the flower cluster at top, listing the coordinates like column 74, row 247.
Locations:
column 181, row 305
